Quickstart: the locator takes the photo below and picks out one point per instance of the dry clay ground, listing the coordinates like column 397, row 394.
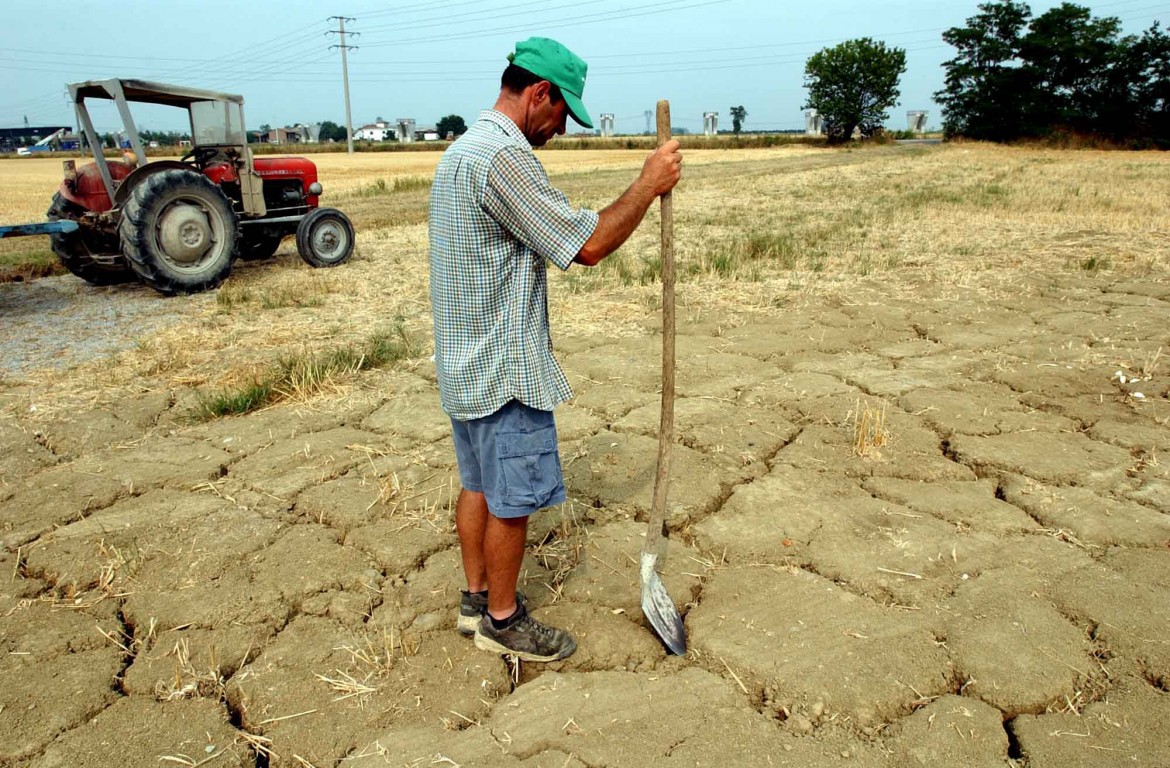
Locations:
column 983, row 583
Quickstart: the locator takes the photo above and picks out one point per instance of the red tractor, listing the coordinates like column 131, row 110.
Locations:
column 177, row 225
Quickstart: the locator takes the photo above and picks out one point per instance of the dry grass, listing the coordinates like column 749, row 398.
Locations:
column 755, row 230
column 869, row 430
column 303, row 375
column 189, row 680
column 118, row 569
column 376, row 652
column 26, row 188
column 293, row 291
column 425, row 504
column 560, row 552
column 373, row 658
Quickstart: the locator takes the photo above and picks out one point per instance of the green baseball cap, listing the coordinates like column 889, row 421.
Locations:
column 552, row 61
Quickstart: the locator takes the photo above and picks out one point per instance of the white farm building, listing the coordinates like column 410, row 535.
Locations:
column 379, row 130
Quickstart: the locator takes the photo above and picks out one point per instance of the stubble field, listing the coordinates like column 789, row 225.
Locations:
column 919, row 512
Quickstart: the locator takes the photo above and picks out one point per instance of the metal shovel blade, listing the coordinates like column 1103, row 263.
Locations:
column 659, row 608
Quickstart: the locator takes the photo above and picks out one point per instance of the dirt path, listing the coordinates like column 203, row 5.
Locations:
column 986, row 586
column 58, row 322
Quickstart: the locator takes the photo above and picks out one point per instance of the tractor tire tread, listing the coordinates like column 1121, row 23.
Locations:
column 74, row 254
column 135, row 239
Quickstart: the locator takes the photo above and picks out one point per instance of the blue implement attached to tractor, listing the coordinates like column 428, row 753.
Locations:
column 64, row 226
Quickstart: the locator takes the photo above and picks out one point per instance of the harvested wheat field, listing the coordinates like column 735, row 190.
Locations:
column 919, row 509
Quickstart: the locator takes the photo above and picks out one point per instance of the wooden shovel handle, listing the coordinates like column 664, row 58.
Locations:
column 666, row 423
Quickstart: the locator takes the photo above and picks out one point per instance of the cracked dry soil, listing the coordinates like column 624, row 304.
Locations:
column 989, row 587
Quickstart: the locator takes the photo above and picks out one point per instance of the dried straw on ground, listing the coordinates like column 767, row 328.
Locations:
column 756, row 231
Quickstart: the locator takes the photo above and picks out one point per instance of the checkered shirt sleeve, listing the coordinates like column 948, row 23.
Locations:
column 520, row 197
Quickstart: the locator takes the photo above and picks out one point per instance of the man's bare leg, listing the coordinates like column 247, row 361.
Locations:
column 471, row 517
column 522, row 636
column 503, row 552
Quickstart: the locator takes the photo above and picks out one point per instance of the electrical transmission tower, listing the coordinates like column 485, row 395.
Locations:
column 647, row 114
column 340, row 31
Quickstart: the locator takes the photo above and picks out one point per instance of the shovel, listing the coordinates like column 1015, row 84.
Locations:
column 656, row 603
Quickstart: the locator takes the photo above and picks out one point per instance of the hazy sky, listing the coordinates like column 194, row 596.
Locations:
column 427, row 60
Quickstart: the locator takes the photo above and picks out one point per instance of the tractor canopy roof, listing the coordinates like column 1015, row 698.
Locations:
column 147, row 92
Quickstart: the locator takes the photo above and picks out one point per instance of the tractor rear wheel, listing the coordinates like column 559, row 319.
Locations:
column 325, row 237
column 76, row 250
column 179, row 232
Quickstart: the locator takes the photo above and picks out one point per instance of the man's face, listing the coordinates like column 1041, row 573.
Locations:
column 545, row 119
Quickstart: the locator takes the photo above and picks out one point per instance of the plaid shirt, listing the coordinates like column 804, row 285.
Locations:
column 494, row 220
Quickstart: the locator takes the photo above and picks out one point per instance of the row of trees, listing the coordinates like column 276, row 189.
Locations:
column 1014, row 76
column 1017, row 76
column 330, row 131
column 162, row 138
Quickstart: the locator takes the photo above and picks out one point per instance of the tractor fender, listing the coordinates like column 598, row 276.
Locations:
column 142, row 173
column 87, row 191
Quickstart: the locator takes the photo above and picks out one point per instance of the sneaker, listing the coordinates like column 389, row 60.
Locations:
column 524, row 637
column 473, row 607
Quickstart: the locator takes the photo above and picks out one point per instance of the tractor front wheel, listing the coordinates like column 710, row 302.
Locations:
column 179, row 232
column 325, row 237
column 76, row 250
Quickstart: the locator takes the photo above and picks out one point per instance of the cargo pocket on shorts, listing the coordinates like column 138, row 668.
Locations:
column 529, row 467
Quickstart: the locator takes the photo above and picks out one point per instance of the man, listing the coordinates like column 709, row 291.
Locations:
column 494, row 221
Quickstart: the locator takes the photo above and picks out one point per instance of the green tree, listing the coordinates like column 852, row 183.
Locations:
column 1067, row 58
column 738, row 115
column 852, row 85
column 985, row 87
column 1016, row 76
column 451, row 124
column 331, row 131
column 1151, row 85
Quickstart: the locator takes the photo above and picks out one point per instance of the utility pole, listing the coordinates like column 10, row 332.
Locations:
column 340, row 31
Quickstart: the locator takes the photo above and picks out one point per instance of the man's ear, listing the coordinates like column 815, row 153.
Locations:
column 540, row 91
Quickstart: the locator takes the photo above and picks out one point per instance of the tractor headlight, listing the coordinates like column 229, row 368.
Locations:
column 315, row 188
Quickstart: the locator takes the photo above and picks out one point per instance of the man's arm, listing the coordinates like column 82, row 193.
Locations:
column 620, row 218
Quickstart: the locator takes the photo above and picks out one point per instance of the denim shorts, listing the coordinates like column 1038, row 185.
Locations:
column 511, row 458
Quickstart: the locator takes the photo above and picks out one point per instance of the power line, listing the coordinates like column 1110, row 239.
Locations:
column 233, row 64
column 573, row 21
column 279, row 67
column 32, row 103
column 408, row 10
column 491, row 14
column 242, row 55
column 451, row 76
column 78, row 66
